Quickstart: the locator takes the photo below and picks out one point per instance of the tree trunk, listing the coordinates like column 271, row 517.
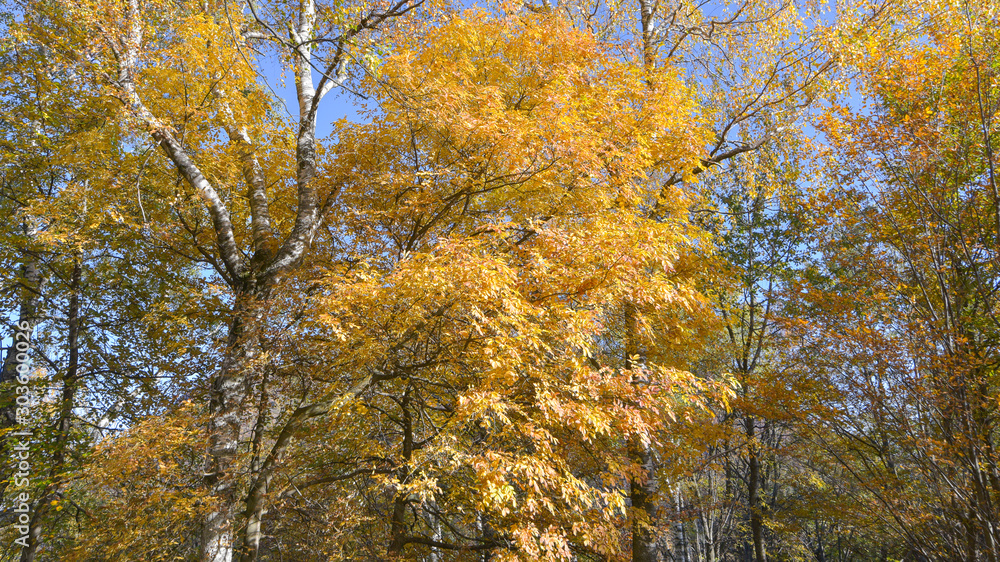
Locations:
column 398, row 540
column 64, row 422
column 641, row 490
column 17, row 358
column 641, row 494
column 226, row 400
column 753, row 493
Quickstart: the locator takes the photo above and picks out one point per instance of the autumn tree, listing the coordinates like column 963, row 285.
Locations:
column 98, row 348
column 908, row 291
column 182, row 74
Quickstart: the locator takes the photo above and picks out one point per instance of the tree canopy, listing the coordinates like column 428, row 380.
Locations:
column 575, row 280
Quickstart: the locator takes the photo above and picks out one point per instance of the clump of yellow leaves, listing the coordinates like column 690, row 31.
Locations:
column 150, row 474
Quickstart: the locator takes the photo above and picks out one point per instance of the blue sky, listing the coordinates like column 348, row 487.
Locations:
column 338, row 104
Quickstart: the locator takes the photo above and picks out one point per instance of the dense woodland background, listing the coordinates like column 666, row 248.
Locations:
column 584, row 280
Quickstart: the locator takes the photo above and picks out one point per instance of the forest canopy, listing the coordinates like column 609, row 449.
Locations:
column 567, row 280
